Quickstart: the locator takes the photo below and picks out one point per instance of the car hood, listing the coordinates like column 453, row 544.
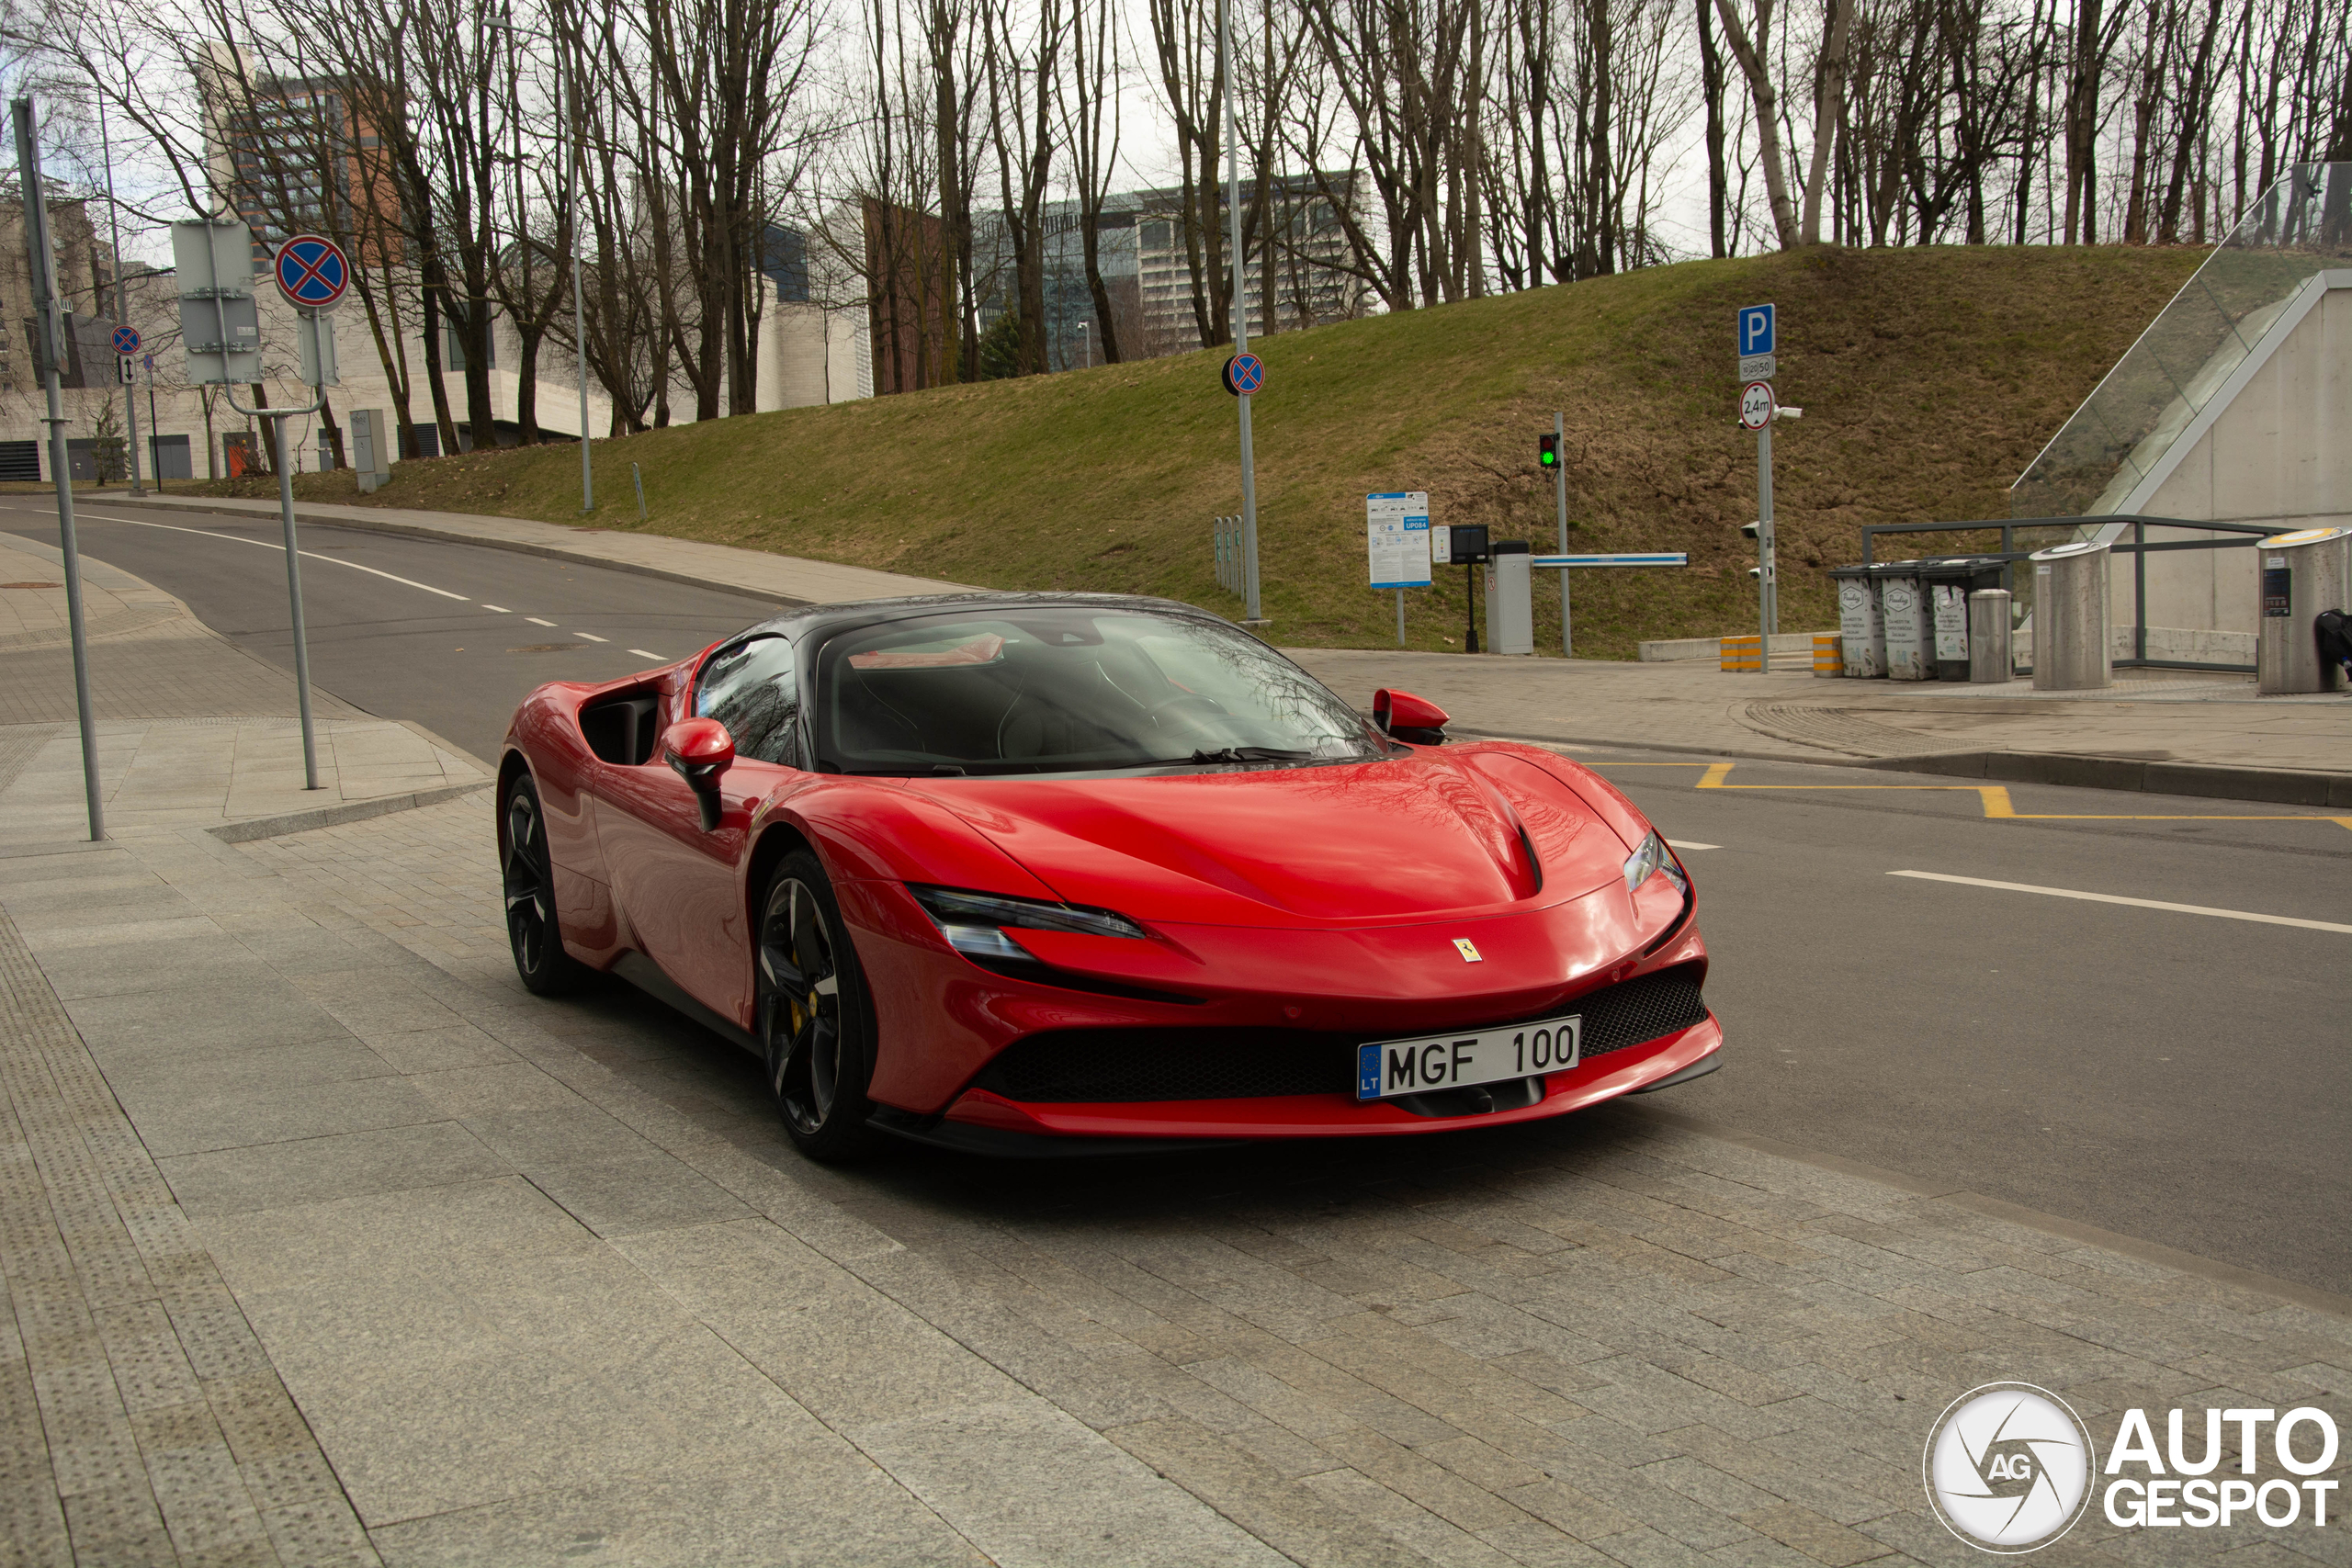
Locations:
column 1419, row 837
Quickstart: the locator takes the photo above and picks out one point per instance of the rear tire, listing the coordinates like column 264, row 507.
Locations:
column 533, row 930
column 815, row 1021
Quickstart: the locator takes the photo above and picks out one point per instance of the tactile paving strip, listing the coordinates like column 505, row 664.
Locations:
column 143, row 1421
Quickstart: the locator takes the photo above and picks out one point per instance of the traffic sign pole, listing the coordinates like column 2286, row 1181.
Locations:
column 1758, row 336
column 1560, row 493
column 49, row 343
column 1767, row 569
column 1253, row 613
column 311, row 273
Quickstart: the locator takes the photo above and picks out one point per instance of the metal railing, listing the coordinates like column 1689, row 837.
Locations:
column 2239, row 535
column 1226, row 538
column 2301, row 226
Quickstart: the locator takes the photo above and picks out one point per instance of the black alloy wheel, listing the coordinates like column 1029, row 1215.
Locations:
column 815, row 1026
column 531, row 926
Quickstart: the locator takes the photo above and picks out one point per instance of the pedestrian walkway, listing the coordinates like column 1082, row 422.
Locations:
column 2217, row 722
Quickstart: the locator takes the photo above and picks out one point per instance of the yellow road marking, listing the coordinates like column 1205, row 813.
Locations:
column 1995, row 798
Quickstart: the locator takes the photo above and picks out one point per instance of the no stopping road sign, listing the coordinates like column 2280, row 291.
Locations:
column 313, row 272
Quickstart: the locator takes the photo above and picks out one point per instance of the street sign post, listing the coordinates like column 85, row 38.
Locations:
column 311, row 273
column 1396, row 539
column 1758, row 335
column 48, row 356
column 219, row 322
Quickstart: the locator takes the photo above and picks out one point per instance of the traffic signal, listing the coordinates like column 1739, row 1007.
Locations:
column 1547, row 454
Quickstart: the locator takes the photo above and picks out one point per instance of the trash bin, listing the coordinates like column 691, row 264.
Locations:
column 1910, row 634
column 1862, row 634
column 1947, row 581
column 2070, row 618
column 1510, row 597
column 2303, row 574
column 1991, row 658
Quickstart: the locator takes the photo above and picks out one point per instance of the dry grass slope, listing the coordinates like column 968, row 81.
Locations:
column 1929, row 378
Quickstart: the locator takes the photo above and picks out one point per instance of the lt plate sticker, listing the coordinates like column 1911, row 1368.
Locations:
column 1389, row 1067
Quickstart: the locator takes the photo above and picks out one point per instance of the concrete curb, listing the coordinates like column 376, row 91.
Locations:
column 335, row 815
column 2277, row 786
column 454, row 537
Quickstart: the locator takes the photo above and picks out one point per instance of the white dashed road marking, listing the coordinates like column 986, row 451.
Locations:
column 264, row 544
column 536, row 622
column 2135, row 903
column 500, row 608
column 655, row 657
column 592, row 636
column 1687, row 844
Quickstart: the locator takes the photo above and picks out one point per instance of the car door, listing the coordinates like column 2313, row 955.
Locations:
column 673, row 881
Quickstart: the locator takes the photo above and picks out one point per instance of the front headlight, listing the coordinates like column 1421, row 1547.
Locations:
column 1651, row 857
column 974, row 923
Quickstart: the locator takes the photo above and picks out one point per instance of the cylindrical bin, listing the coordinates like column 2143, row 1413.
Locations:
column 1910, row 634
column 1990, row 659
column 1510, row 598
column 2070, row 618
column 1948, row 582
column 2304, row 573
column 1862, row 634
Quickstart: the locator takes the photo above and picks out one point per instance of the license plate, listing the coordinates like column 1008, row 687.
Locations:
column 1389, row 1067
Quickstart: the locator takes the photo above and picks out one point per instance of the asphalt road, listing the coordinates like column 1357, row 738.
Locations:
column 392, row 644
column 2175, row 1075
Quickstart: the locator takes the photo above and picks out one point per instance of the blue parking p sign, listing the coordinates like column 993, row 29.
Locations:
column 1754, row 329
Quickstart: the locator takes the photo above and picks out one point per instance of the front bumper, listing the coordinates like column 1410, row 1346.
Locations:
column 982, row 1122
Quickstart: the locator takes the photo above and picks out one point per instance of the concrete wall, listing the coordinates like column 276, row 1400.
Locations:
column 2275, row 451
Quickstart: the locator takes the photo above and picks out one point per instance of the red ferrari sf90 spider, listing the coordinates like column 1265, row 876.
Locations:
column 1057, row 873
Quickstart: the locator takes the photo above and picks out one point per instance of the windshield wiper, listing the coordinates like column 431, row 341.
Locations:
column 1252, row 754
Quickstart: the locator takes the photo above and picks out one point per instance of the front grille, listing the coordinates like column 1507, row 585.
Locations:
column 1077, row 1067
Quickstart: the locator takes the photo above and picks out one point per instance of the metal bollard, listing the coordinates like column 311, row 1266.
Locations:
column 2071, row 631
column 2304, row 573
column 1990, row 659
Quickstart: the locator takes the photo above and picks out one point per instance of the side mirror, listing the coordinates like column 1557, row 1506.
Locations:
column 699, row 751
column 1417, row 721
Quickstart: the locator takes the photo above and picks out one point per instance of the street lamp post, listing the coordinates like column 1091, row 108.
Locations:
column 579, row 314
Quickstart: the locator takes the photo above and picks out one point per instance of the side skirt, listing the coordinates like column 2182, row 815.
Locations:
column 655, row 982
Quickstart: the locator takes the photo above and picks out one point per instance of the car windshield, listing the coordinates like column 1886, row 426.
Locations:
column 1057, row 690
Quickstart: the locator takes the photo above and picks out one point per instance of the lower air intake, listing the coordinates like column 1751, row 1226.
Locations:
column 1079, row 1067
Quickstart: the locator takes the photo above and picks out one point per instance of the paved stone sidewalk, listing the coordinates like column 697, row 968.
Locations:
column 545, row 1282
column 1804, row 718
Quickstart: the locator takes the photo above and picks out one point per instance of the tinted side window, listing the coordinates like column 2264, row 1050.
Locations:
column 753, row 690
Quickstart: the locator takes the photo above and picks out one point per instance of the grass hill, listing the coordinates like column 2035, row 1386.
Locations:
column 1929, row 379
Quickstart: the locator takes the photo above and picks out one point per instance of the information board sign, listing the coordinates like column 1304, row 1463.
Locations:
column 1397, row 538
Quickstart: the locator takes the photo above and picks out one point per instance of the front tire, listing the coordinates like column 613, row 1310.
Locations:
column 815, row 1025
column 533, row 930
